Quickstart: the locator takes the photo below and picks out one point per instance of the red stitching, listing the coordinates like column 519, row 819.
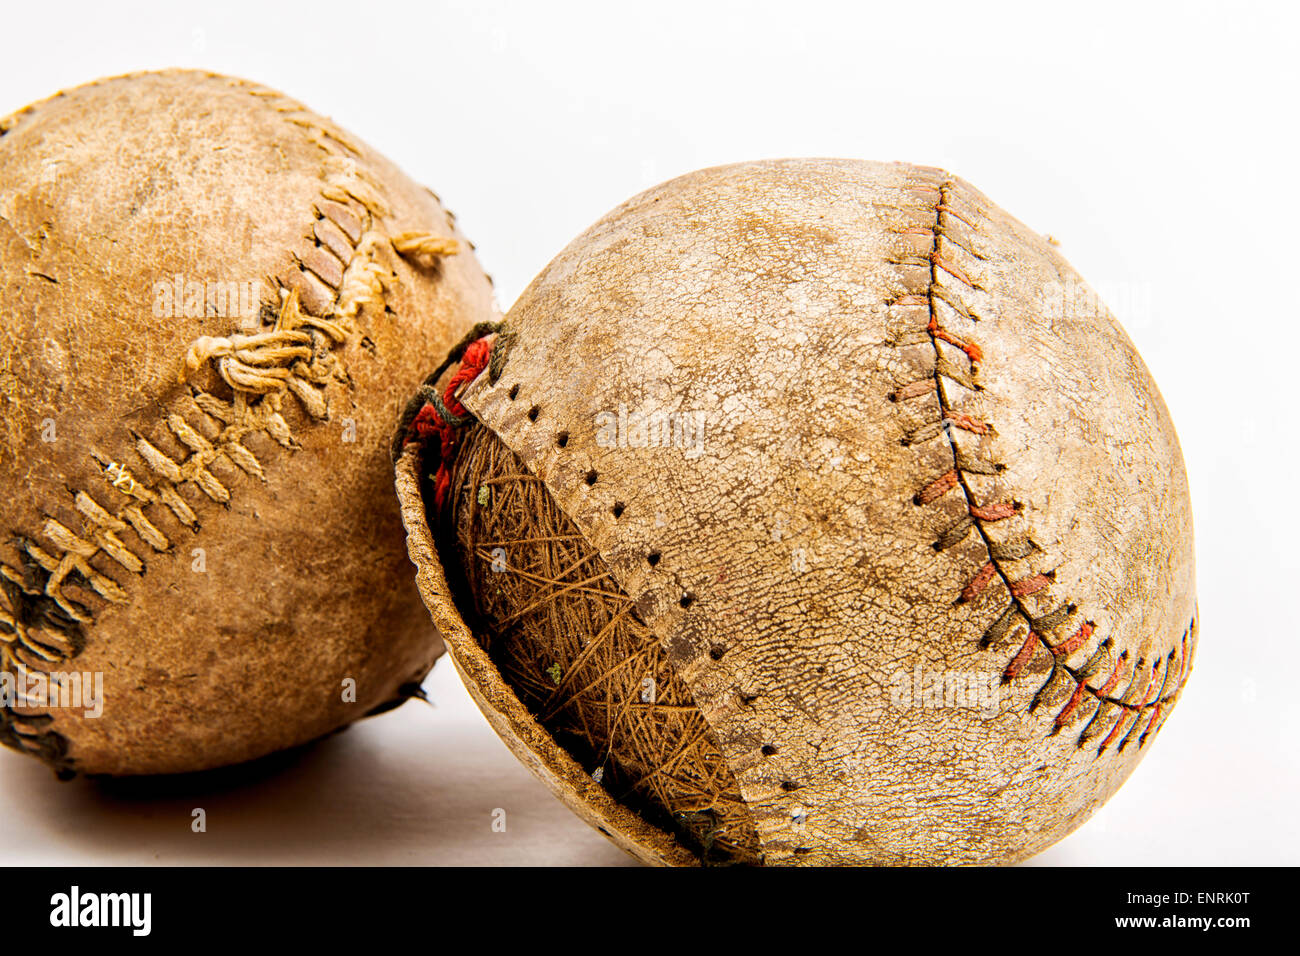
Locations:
column 1115, row 676
column 968, row 423
column 945, row 208
column 973, row 351
column 1147, row 698
column 1119, row 724
column 1068, row 647
column 999, row 511
column 1030, row 585
column 1070, row 707
column 429, row 422
column 1022, row 658
column 937, row 488
column 1155, row 714
column 994, row 512
column 942, row 263
column 979, row 582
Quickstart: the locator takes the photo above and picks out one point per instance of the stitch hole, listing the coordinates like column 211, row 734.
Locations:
column 653, row 558
column 534, row 412
column 716, row 652
column 617, row 510
column 687, row 600
column 514, row 391
column 562, row 439
column 747, row 699
column 768, row 750
column 789, row 786
column 591, row 478
column 802, row 851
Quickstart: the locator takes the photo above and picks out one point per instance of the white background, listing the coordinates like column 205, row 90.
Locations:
column 1155, row 141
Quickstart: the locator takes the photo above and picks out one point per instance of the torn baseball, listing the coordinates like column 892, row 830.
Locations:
column 911, row 529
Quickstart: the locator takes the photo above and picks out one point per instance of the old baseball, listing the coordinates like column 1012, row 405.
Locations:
column 212, row 303
column 911, row 526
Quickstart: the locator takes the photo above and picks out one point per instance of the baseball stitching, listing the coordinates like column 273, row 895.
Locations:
column 979, row 515
column 1134, row 713
column 338, row 275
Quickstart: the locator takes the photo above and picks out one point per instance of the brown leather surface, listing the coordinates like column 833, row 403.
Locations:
column 106, row 191
column 911, row 466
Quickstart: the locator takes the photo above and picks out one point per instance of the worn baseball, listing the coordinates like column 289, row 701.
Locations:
column 890, row 491
column 212, row 303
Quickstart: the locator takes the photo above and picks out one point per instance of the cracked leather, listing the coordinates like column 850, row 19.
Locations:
column 104, row 192
column 911, row 463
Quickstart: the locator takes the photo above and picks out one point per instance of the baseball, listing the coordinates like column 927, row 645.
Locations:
column 213, row 304
column 802, row 512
